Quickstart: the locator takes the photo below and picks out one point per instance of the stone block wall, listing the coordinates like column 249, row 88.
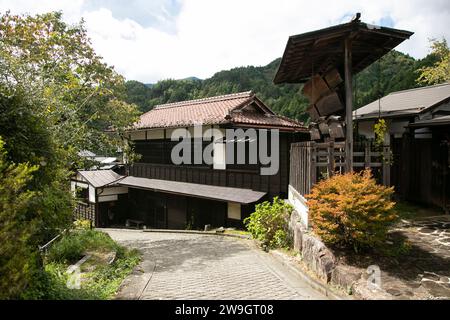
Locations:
column 317, row 257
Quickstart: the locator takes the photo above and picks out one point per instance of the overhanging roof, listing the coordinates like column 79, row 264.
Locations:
column 99, row 178
column 321, row 50
column 440, row 121
column 227, row 194
column 405, row 103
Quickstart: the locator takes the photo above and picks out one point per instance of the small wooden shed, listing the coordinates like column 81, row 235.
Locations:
column 98, row 195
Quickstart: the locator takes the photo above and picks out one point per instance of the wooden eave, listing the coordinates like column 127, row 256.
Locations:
column 322, row 50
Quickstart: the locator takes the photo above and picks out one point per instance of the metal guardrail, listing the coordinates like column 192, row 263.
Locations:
column 45, row 247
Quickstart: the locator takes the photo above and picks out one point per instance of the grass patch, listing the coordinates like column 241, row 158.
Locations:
column 238, row 232
column 100, row 279
column 73, row 246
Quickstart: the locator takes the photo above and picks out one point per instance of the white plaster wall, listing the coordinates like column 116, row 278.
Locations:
column 397, row 127
column 137, row 135
column 234, row 211
column 73, row 187
column 183, row 132
column 299, row 204
column 75, row 184
column 155, row 134
column 219, row 156
column 107, row 198
column 111, row 191
column 365, row 128
column 91, row 194
column 195, row 132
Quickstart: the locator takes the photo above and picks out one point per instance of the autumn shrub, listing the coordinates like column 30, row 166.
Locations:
column 269, row 223
column 351, row 210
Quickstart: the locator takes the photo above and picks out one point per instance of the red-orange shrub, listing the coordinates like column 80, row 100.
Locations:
column 351, row 210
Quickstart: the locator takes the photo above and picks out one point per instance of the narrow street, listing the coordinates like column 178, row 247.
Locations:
column 192, row 266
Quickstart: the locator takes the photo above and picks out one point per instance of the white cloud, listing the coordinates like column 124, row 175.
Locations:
column 209, row 36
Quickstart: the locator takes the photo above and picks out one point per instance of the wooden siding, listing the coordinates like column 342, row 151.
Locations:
column 237, row 176
column 421, row 169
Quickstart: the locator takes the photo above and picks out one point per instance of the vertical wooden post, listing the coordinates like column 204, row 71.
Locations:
column 330, row 157
column 348, row 106
column 313, row 168
column 367, row 155
column 386, row 166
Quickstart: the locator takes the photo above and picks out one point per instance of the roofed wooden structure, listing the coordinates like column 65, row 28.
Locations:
column 323, row 50
column 327, row 59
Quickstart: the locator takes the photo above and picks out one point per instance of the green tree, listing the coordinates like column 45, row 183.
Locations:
column 57, row 97
column 52, row 64
column 439, row 72
column 16, row 261
column 395, row 71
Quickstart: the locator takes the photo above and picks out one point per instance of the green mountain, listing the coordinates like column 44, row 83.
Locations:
column 395, row 71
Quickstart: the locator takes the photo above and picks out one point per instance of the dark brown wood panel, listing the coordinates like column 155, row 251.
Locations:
column 243, row 176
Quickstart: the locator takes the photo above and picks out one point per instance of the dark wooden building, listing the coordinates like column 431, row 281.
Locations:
column 418, row 132
column 99, row 197
column 220, row 190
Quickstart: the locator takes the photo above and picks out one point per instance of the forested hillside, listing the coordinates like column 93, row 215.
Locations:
column 395, row 71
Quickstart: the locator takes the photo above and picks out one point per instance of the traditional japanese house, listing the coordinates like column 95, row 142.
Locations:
column 163, row 193
column 418, row 133
column 99, row 198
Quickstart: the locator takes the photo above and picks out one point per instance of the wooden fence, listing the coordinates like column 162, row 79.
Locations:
column 84, row 211
column 311, row 161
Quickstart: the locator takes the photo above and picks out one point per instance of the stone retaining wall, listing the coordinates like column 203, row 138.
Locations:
column 318, row 258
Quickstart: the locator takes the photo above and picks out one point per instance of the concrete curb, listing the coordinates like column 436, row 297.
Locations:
column 207, row 233
column 315, row 284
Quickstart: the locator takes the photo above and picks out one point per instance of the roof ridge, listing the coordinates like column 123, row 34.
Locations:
column 237, row 95
column 420, row 88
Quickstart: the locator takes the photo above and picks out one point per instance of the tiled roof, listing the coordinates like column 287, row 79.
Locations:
column 238, row 108
column 258, row 119
column 100, row 178
column 405, row 102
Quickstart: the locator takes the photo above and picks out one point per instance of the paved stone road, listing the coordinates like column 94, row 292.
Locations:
column 192, row 266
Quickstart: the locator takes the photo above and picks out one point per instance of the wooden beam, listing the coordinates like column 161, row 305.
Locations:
column 348, row 106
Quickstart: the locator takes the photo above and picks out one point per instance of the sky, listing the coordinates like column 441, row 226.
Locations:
column 151, row 40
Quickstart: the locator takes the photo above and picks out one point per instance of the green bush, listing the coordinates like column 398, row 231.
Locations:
column 74, row 245
column 18, row 258
column 269, row 223
column 82, row 224
column 351, row 210
column 101, row 282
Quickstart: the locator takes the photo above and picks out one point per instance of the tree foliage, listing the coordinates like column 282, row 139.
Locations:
column 57, row 97
column 16, row 259
column 395, row 71
column 52, row 64
column 439, row 72
column 351, row 210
